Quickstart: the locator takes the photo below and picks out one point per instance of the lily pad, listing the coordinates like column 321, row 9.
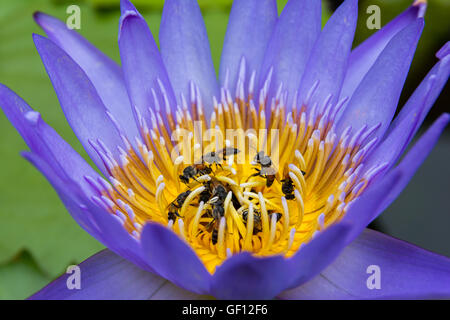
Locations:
column 21, row 277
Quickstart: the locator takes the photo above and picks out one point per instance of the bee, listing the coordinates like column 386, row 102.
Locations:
column 215, row 157
column 216, row 214
column 212, row 226
column 214, row 195
column 218, row 209
column 219, row 194
column 217, row 201
column 175, row 205
column 206, row 194
column 215, row 232
column 257, row 224
column 173, row 213
column 288, row 188
column 193, row 171
column 266, row 171
column 263, row 159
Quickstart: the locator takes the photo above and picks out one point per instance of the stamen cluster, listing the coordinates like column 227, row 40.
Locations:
column 264, row 185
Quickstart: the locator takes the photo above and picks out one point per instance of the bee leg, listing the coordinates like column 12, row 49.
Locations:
column 178, row 215
column 208, row 226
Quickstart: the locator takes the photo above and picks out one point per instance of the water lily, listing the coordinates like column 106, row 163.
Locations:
column 281, row 212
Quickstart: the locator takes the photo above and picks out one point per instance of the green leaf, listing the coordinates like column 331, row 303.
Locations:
column 21, row 278
column 32, row 217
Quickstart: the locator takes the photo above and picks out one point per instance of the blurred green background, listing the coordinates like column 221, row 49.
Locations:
column 38, row 238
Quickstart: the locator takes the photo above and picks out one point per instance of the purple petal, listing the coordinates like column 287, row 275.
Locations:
column 416, row 155
column 185, row 51
column 368, row 206
column 444, row 51
column 290, row 45
column 329, row 56
column 406, row 124
column 106, row 275
column 58, row 162
column 376, row 97
column 79, row 100
column 44, row 141
column 102, row 225
column 364, row 56
column 142, row 65
column 244, row 276
column 169, row 291
column 67, row 172
column 173, row 259
column 319, row 288
column 67, row 192
column 249, row 29
column 104, row 73
column 116, row 237
column 382, row 193
column 317, row 254
column 406, row 272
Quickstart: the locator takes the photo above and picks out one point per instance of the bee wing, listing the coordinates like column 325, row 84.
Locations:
column 213, row 200
column 210, row 158
column 206, row 157
column 268, row 171
column 210, row 226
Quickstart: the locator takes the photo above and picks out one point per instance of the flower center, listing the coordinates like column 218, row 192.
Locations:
column 242, row 181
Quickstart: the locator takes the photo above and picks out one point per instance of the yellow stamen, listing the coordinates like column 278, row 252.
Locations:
column 263, row 191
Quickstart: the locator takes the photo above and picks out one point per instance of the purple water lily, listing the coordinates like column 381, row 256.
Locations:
column 286, row 221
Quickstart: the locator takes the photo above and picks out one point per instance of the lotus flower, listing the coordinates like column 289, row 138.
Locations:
column 281, row 212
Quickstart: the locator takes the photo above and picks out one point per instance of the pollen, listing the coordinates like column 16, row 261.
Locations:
column 252, row 177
